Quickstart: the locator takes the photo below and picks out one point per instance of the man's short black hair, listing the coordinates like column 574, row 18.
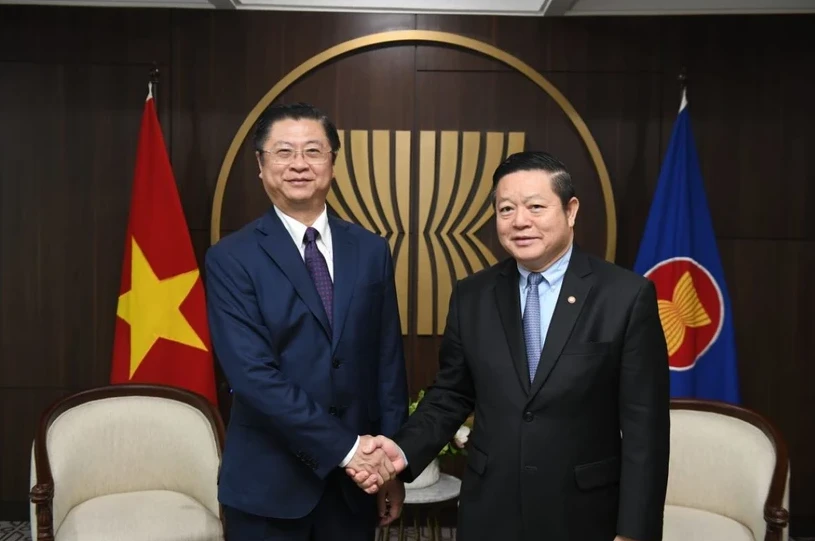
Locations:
column 538, row 161
column 294, row 111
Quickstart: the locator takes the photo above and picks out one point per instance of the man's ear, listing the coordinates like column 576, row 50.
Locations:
column 571, row 210
column 259, row 158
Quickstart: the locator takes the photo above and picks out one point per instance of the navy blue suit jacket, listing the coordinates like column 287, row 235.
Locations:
column 302, row 392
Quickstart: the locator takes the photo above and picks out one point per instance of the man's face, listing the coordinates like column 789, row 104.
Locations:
column 532, row 224
column 297, row 166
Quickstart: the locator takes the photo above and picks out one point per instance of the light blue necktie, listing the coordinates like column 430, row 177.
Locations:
column 532, row 323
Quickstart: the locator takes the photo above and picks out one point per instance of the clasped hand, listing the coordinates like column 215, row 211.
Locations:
column 377, row 461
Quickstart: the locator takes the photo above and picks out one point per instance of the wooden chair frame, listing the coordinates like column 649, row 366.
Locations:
column 42, row 493
column 775, row 515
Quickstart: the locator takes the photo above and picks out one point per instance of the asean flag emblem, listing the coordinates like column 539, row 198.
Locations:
column 691, row 309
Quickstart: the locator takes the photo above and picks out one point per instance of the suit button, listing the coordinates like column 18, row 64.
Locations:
column 528, row 417
column 333, row 410
column 335, row 363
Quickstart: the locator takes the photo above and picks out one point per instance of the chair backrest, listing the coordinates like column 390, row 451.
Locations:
column 128, row 438
column 727, row 460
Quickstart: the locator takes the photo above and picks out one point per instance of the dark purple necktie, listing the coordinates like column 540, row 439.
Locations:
column 318, row 269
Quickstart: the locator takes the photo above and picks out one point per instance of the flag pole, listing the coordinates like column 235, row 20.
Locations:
column 154, row 73
column 683, row 83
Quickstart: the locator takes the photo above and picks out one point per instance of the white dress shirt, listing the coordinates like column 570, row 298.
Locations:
column 297, row 230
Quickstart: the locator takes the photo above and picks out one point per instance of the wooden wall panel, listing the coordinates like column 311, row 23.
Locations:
column 222, row 64
column 775, row 45
column 64, row 35
column 616, row 44
column 754, row 123
column 307, row 34
column 20, row 410
column 66, row 182
column 771, row 288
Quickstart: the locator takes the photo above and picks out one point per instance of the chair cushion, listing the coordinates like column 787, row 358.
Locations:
column 155, row 515
column 688, row 524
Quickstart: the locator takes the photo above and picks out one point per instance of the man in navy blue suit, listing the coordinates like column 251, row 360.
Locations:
column 303, row 314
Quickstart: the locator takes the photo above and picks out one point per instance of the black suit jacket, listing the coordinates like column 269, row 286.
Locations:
column 580, row 453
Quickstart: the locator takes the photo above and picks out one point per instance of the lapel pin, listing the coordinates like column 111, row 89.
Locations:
column 571, row 299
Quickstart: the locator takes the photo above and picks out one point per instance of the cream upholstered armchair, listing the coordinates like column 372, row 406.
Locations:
column 127, row 462
column 729, row 475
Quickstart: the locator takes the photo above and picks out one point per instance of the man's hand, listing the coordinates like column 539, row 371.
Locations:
column 367, row 480
column 371, row 464
column 621, row 538
column 390, row 448
column 390, row 499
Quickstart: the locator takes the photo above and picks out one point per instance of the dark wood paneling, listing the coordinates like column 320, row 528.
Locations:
column 622, row 112
column 762, row 151
column 775, row 45
column 65, row 197
column 558, row 44
column 307, row 34
column 771, row 290
column 72, row 35
column 200, row 243
column 223, row 64
column 20, row 411
column 424, row 350
column 441, row 58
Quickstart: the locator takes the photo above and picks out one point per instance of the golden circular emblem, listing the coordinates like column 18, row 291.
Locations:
column 419, row 36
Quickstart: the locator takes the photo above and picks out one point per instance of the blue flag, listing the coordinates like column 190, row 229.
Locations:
column 678, row 253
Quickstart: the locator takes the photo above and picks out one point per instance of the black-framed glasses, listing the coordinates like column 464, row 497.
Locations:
column 311, row 155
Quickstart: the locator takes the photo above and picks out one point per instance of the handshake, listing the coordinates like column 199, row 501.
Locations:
column 377, row 461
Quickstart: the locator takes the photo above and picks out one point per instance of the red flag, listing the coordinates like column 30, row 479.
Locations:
column 161, row 325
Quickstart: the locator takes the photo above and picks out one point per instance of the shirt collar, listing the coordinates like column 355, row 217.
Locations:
column 553, row 274
column 297, row 229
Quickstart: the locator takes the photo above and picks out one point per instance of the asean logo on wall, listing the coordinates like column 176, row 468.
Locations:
column 691, row 309
column 433, row 208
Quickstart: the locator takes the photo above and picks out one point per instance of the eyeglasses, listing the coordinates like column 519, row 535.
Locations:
column 284, row 156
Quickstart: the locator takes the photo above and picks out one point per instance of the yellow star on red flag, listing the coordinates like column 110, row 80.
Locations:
column 152, row 308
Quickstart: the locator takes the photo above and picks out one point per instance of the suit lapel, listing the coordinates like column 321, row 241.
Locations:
column 507, row 296
column 345, row 272
column 277, row 243
column 566, row 313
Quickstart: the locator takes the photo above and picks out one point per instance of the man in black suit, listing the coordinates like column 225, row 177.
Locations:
column 563, row 358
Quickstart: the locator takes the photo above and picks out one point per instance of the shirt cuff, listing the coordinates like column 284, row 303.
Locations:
column 350, row 454
column 404, row 456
